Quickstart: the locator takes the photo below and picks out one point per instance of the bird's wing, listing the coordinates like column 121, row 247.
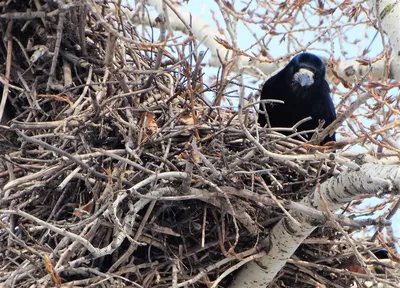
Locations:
column 271, row 90
column 275, row 87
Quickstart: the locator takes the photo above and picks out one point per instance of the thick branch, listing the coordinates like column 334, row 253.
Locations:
column 286, row 237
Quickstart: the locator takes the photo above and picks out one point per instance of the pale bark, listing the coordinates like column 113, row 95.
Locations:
column 204, row 34
column 389, row 12
column 286, row 236
column 350, row 70
column 389, row 15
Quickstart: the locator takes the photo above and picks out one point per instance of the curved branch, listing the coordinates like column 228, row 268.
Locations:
column 286, row 237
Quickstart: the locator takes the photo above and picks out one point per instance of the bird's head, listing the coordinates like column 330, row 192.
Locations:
column 307, row 70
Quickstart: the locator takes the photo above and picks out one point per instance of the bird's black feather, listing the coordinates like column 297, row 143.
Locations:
column 300, row 101
column 382, row 254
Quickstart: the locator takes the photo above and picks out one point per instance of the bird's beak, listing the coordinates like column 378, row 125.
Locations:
column 304, row 77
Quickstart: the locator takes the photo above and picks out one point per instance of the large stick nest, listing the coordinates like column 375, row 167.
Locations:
column 116, row 172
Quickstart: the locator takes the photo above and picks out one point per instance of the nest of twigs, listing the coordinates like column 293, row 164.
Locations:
column 116, row 172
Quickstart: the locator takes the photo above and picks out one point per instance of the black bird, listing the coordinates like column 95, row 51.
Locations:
column 381, row 254
column 303, row 88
